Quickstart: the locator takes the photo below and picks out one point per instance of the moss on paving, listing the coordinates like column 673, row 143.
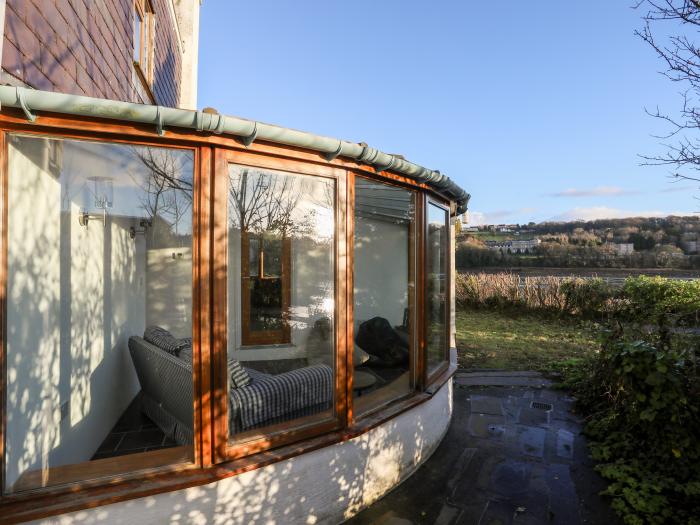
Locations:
column 520, row 341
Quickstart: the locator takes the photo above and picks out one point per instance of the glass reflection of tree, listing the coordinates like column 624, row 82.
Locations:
column 265, row 208
column 167, row 189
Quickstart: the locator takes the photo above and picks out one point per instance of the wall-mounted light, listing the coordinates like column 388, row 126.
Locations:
column 145, row 224
column 103, row 194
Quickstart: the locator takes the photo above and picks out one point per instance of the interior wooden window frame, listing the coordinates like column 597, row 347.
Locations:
column 251, row 337
column 209, row 465
column 415, row 268
column 430, row 377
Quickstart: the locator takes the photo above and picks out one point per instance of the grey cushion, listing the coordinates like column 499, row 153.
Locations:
column 165, row 340
column 185, row 353
column 237, row 374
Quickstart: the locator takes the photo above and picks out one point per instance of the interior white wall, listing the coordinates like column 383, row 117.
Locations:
column 169, row 289
column 381, row 270
column 326, row 486
column 75, row 295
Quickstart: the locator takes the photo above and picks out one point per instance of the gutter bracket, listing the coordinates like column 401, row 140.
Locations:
column 379, row 168
column 31, row 117
column 247, row 141
column 332, row 156
column 200, row 121
column 219, row 126
column 159, row 122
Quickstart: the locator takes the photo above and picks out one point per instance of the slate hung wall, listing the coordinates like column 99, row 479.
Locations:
column 84, row 47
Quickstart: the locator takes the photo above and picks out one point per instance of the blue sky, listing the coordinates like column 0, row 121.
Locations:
column 536, row 108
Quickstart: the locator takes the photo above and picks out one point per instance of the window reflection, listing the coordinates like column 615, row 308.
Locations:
column 436, row 287
column 383, row 293
column 281, row 298
column 99, row 260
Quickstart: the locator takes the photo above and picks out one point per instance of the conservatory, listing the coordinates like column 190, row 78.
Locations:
column 210, row 319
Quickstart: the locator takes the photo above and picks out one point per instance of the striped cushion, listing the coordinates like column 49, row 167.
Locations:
column 238, row 376
column 164, row 340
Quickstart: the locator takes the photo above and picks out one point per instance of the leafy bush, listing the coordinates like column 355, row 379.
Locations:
column 643, row 406
column 660, row 301
column 589, row 298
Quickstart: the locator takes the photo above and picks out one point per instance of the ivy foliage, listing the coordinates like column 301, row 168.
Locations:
column 641, row 394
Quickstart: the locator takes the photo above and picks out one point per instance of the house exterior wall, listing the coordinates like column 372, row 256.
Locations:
column 85, row 47
column 326, row 486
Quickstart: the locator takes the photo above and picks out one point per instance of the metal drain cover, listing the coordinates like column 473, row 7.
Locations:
column 541, row 406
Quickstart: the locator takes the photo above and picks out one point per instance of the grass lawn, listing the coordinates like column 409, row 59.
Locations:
column 515, row 341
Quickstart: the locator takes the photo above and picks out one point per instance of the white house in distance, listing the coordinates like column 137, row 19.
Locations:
column 515, row 245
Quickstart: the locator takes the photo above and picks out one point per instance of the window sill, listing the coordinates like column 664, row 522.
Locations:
column 18, row 508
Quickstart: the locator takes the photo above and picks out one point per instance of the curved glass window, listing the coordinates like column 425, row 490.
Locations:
column 281, row 299
column 99, row 310
column 384, row 290
column 436, row 281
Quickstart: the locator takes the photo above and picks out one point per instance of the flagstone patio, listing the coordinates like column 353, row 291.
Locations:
column 513, row 455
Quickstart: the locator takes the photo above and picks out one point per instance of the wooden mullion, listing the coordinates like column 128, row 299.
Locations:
column 3, row 302
column 345, row 235
column 219, row 250
column 421, row 230
column 202, row 315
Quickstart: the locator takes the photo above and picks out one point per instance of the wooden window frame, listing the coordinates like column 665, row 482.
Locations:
column 94, row 472
column 228, row 447
column 429, row 376
column 209, row 464
column 414, row 267
column 144, row 9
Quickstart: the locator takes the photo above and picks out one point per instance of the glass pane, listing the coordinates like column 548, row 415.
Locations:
column 383, row 293
column 137, row 36
column 281, row 299
column 99, row 250
column 436, row 287
column 146, row 48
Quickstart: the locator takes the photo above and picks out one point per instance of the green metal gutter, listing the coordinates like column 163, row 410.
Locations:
column 247, row 131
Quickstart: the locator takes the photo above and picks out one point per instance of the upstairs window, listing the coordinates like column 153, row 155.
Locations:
column 144, row 41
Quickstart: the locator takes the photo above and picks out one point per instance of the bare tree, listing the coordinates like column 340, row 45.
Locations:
column 266, row 202
column 168, row 190
column 671, row 28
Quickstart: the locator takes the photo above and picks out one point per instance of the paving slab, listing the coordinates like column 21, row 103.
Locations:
column 504, row 380
column 486, row 405
column 486, row 426
column 502, row 462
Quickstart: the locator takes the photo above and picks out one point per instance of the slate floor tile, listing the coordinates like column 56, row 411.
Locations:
column 486, row 405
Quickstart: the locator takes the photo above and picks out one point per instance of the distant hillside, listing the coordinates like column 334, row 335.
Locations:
column 639, row 242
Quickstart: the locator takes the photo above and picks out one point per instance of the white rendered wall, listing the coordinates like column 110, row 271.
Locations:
column 326, row 486
column 75, row 295
column 381, row 270
column 169, row 289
